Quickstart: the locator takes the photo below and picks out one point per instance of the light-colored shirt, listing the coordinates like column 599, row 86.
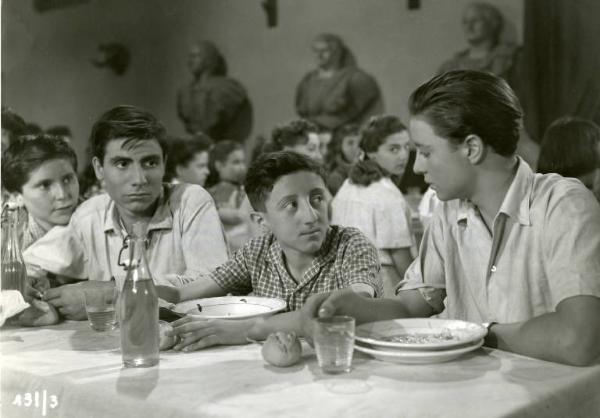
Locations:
column 346, row 260
column 544, row 248
column 379, row 211
column 185, row 240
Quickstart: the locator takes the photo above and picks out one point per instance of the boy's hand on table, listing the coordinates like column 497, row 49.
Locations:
column 68, row 300
column 198, row 333
column 35, row 287
column 39, row 313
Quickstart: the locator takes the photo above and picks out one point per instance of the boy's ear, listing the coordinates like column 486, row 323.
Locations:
column 98, row 169
column 474, row 149
column 218, row 165
column 259, row 219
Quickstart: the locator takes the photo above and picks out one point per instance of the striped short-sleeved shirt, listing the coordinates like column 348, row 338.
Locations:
column 346, row 259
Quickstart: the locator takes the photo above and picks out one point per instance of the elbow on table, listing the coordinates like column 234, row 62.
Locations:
column 578, row 350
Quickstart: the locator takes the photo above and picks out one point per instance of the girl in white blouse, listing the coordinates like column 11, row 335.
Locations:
column 371, row 202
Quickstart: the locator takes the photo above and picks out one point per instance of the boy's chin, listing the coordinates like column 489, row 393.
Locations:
column 312, row 247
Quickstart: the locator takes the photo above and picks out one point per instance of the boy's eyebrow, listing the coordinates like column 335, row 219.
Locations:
column 150, row 157
column 286, row 198
column 318, row 190
column 119, row 158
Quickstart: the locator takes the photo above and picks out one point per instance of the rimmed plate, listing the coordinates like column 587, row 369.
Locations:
column 419, row 334
column 231, row 307
column 418, row 357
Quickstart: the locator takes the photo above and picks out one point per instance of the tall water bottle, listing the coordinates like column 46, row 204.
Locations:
column 138, row 307
column 14, row 273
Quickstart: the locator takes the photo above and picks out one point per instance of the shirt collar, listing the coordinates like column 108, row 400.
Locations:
column 162, row 218
column 516, row 203
column 325, row 253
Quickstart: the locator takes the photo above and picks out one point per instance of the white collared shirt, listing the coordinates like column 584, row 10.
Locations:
column 185, row 239
column 544, row 248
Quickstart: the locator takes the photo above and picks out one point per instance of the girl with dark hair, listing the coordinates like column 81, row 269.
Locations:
column 371, row 202
column 228, row 165
column 343, row 151
column 188, row 160
column 571, row 148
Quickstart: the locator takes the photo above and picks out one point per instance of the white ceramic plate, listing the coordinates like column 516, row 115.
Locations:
column 418, row 357
column 419, row 334
column 231, row 307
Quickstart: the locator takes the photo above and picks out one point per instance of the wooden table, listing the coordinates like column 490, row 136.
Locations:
column 78, row 373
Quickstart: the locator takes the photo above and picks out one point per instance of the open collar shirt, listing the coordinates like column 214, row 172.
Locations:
column 544, row 247
column 184, row 240
column 346, row 260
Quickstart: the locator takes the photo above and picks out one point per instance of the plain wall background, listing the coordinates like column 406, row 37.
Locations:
column 47, row 76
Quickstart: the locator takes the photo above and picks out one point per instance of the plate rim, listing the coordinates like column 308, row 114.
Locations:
column 280, row 305
column 420, row 354
column 426, row 346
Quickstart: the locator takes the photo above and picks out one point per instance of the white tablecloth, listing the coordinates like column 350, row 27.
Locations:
column 82, row 370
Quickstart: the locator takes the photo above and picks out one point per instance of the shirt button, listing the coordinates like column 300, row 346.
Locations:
column 493, row 269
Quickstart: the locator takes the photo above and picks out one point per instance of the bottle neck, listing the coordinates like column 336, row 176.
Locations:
column 13, row 244
column 138, row 266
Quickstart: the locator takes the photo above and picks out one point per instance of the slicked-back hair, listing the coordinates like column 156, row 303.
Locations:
column 570, row 147
column 464, row 102
column 126, row 122
column 292, row 133
column 26, row 154
column 264, row 172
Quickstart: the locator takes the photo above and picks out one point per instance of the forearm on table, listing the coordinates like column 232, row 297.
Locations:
column 288, row 322
column 553, row 337
column 407, row 304
column 202, row 287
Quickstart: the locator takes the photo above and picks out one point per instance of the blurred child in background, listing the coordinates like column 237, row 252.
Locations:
column 343, row 152
column 228, row 171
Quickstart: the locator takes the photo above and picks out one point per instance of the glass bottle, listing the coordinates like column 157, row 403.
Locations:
column 138, row 307
column 14, row 273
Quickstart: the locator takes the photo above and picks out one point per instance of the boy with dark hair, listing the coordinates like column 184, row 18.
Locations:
column 300, row 254
column 299, row 136
column 515, row 250
column 185, row 236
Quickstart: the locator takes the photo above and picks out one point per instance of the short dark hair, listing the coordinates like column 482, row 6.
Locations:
column 268, row 168
column 377, row 129
column 570, row 147
column 292, row 133
column 26, row 154
column 126, row 122
column 464, row 102
column 182, row 151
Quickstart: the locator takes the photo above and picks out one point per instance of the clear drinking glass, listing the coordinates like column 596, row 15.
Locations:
column 100, row 300
column 334, row 343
